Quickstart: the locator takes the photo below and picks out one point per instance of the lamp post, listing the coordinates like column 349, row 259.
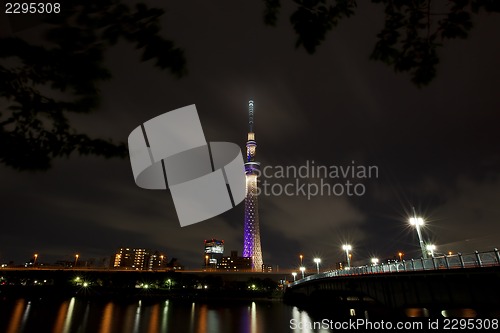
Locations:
column 206, row 261
column 76, row 258
column 347, row 248
column 374, row 264
column 317, row 261
column 418, row 222
column 35, row 256
column 400, row 254
column 294, row 274
column 302, row 269
column 301, row 261
column 431, row 248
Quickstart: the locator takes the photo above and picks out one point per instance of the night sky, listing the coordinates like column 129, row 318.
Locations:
column 436, row 147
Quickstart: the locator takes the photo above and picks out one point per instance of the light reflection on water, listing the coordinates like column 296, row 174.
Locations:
column 82, row 316
column 15, row 321
column 107, row 318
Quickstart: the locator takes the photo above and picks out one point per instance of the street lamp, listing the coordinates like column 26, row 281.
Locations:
column 431, row 248
column 206, row 261
column 374, row 265
column 76, row 258
column 294, row 274
column 36, row 257
column 347, row 248
column 418, row 222
column 317, row 261
column 400, row 254
column 301, row 257
column 302, row 269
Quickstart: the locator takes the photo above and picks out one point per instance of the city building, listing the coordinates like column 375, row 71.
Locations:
column 157, row 261
column 214, row 251
column 251, row 238
column 267, row 268
column 235, row 263
column 138, row 259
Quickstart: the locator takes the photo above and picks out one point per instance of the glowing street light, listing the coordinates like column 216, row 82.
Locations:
column 431, row 248
column 35, row 258
column 294, row 274
column 347, row 248
column 400, row 254
column 317, row 261
column 76, row 258
column 301, row 261
column 418, row 222
column 302, row 269
column 374, row 261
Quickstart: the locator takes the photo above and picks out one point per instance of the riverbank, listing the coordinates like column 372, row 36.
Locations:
column 92, row 292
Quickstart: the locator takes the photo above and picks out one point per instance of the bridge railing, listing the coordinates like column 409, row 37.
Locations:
column 454, row 261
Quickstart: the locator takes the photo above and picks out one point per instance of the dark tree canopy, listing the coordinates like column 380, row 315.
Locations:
column 40, row 85
column 412, row 34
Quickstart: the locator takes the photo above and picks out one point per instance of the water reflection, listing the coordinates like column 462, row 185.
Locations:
column 61, row 317
column 17, row 315
column 164, row 318
column 462, row 313
column 154, row 319
column 191, row 321
column 253, row 318
column 25, row 316
column 107, row 319
column 137, row 319
column 201, row 322
column 416, row 312
column 81, row 316
column 69, row 316
column 82, row 326
column 303, row 323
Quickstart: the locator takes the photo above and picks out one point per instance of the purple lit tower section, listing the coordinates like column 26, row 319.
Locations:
column 251, row 246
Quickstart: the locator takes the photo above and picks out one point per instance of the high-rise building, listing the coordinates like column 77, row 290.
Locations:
column 138, row 259
column 157, row 261
column 130, row 258
column 235, row 263
column 251, row 242
column 214, row 251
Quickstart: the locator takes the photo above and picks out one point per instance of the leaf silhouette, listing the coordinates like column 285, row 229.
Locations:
column 42, row 85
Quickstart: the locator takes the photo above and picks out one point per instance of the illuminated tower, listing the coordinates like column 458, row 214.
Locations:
column 251, row 246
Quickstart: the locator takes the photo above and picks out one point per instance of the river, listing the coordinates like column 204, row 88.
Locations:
column 82, row 315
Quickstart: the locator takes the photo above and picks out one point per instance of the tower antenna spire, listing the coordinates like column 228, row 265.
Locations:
column 250, row 116
column 251, row 239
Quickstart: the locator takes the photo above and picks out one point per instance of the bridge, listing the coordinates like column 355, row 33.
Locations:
column 423, row 287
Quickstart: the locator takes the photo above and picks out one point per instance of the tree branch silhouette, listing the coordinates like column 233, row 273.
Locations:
column 412, row 35
column 42, row 84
